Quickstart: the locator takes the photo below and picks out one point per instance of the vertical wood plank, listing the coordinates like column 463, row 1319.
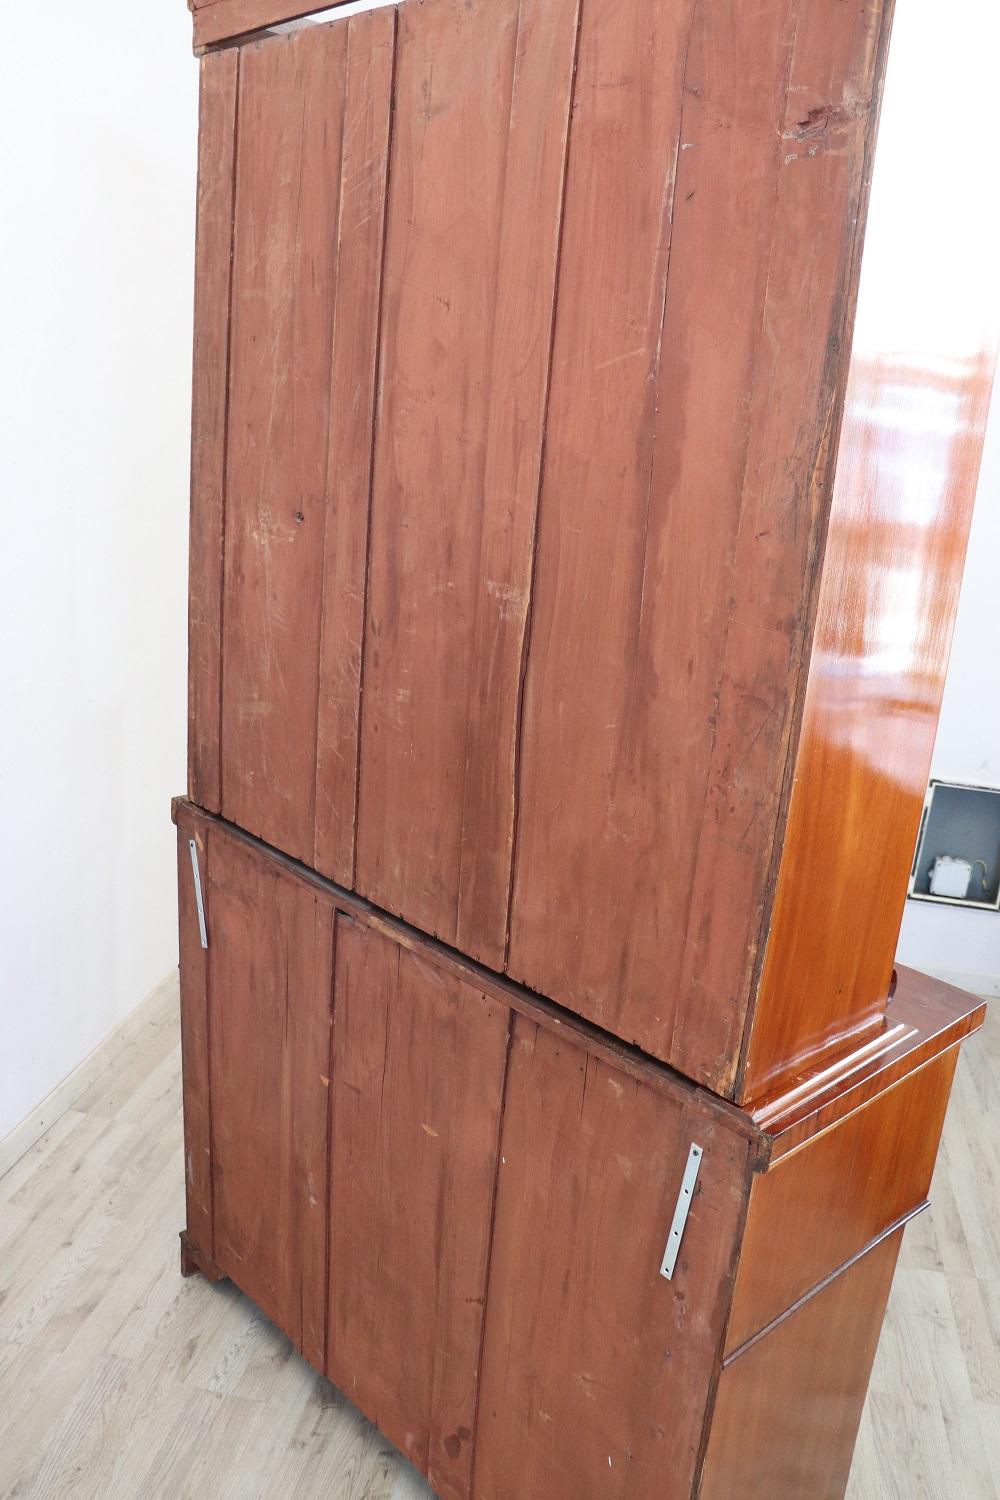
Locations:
column 285, row 247
column 357, row 297
column 596, row 1369
column 417, row 1083
column 213, row 252
column 479, row 138
column 195, row 1038
column 271, row 957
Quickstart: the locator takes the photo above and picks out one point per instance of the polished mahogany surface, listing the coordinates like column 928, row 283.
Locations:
column 788, row 1409
column 918, row 394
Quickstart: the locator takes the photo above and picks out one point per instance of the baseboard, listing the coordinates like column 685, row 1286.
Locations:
column 986, row 985
column 64, row 1095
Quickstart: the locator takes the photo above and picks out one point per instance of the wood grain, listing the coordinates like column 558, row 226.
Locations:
column 284, row 276
column 213, row 247
column 357, row 295
column 823, row 1204
column 787, row 1412
column 271, row 956
column 195, row 1002
column 417, row 1080
column 480, row 123
column 596, row 1369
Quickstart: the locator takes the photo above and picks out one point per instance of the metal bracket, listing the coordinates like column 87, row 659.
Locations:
column 681, row 1210
column 197, row 893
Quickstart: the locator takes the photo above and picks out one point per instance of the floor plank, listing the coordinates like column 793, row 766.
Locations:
column 119, row 1379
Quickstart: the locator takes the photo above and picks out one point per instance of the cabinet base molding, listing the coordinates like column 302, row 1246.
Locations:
column 457, row 1200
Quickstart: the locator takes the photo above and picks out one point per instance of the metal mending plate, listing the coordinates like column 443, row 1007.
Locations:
column 681, row 1210
column 197, row 893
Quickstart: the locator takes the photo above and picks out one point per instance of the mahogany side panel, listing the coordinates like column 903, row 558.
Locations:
column 357, row 299
column 787, row 1413
column 818, row 1207
column 476, row 178
column 213, row 247
column 919, row 390
column 288, row 178
column 417, row 1075
column 271, row 957
column 597, row 1370
column 692, row 398
column 195, row 1036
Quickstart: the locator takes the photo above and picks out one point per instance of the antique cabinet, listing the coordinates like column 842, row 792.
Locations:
column 457, row 1200
column 529, row 596
column 584, row 445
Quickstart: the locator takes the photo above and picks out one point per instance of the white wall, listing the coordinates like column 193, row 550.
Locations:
column 965, row 945
column 98, row 110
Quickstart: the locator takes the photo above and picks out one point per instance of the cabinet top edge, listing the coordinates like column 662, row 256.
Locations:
column 218, row 22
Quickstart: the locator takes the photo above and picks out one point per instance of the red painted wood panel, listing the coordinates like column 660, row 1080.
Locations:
column 216, row 156
column 476, row 183
column 291, row 108
column 271, row 975
column 417, row 1082
column 654, row 734
column 597, row 1370
column 356, row 293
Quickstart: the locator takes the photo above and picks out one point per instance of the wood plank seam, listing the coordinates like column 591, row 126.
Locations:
column 326, row 476
column 466, row 757
column 376, row 407
column 225, row 440
column 512, row 1021
column 543, row 447
column 209, row 1249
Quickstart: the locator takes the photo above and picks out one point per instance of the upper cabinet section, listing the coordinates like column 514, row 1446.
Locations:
column 523, row 340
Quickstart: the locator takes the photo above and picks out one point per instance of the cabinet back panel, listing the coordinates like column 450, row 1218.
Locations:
column 528, row 478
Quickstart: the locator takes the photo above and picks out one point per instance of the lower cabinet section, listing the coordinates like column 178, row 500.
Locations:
column 456, row 1200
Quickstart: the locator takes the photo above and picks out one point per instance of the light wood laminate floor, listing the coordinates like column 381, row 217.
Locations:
column 118, row 1380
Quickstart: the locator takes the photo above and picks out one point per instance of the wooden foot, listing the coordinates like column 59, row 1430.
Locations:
column 194, row 1262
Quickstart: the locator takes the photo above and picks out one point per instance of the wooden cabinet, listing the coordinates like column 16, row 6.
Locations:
column 584, row 446
column 540, row 592
column 457, row 1201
